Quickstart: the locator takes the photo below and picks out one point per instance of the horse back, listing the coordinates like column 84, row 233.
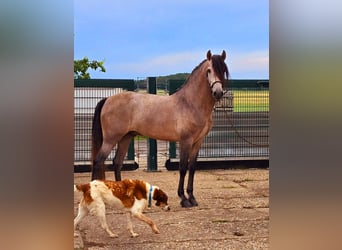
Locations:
column 159, row 117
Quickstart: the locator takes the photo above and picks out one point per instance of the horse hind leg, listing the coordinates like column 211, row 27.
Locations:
column 191, row 166
column 98, row 171
column 120, row 155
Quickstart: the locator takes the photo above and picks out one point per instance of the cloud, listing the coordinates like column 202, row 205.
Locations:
column 164, row 64
column 249, row 64
column 250, row 60
column 254, row 64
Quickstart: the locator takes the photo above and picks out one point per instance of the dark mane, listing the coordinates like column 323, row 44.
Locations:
column 219, row 66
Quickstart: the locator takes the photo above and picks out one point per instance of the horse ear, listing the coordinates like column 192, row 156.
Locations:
column 209, row 55
column 223, row 55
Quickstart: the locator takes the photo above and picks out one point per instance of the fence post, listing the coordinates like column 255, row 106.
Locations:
column 152, row 143
column 131, row 151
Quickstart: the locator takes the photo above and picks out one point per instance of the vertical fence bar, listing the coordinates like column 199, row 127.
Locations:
column 152, row 143
column 131, row 151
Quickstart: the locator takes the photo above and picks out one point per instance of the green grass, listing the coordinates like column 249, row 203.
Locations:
column 140, row 138
column 244, row 100
column 251, row 101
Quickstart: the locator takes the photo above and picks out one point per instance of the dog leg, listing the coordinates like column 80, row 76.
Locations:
column 130, row 226
column 101, row 214
column 82, row 211
column 147, row 220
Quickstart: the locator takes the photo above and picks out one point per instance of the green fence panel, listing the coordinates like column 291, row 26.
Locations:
column 86, row 95
column 126, row 84
column 240, row 122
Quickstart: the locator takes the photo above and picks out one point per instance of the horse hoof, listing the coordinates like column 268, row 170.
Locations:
column 193, row 202
column 186, row 203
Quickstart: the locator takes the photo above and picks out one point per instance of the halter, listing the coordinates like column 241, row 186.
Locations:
column 211, row 85
column 150, row 196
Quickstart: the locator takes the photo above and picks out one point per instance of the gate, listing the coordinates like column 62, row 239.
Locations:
column 239, row 136
column 240, row 127
column 87, row 93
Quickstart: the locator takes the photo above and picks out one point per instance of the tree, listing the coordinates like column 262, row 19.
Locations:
column 81, row 67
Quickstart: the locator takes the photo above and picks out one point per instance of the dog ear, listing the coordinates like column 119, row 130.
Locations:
column 160, row 196
column 155, row 194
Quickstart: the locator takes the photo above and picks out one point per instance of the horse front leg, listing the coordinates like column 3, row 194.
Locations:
column 183, row 165
column 117, row 169
column 190, row 188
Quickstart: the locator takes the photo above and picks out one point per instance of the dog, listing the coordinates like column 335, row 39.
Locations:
column 132, row 196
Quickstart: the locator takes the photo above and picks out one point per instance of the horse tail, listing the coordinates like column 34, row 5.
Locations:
column 96, row 131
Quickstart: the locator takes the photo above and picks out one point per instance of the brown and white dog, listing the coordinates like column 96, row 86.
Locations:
column 131, row 195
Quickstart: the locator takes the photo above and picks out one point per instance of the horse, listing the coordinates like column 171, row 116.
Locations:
column 184, row 117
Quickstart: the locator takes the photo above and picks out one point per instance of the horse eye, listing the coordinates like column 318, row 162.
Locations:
column 208, row 71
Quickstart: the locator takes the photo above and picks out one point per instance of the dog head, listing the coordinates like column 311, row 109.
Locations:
column 161, row 198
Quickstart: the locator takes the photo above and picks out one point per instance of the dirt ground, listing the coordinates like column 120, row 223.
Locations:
column 233, row 213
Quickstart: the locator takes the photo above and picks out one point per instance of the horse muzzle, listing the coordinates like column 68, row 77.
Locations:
column 216, row 90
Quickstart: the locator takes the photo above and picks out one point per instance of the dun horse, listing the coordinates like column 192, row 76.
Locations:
column 184, row 117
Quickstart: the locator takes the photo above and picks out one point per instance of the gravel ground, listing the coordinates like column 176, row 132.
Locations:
column 233, row 213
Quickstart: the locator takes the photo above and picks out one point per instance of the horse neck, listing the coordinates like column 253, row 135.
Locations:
column 196, row 92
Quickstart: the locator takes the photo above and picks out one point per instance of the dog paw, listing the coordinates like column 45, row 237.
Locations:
column 134, row 235
column 112, row 235
column 155, row 230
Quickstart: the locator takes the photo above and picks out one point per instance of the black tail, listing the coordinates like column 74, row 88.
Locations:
column 97, row 129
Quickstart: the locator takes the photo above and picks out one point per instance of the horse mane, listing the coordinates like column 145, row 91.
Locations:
column 219, row 67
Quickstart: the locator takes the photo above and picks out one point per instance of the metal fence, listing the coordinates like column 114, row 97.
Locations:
column 87, row 93
column 240, row 128
column 240, row 123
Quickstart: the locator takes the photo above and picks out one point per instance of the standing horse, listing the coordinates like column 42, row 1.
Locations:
column 184, row 117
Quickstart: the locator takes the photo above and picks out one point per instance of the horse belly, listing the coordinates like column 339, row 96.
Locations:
column 154, row 117
column 159, row 129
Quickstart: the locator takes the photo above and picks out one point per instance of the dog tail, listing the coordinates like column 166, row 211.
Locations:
column 77, row 188
column 81, row 187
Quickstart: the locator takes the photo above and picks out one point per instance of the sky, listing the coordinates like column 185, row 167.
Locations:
column 138, row 39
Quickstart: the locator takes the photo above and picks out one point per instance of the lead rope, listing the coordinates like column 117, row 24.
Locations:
column 231, row 122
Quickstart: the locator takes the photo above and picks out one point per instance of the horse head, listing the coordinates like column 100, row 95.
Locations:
column 216, row 72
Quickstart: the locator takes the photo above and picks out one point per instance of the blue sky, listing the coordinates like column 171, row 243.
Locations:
column 154, row 38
